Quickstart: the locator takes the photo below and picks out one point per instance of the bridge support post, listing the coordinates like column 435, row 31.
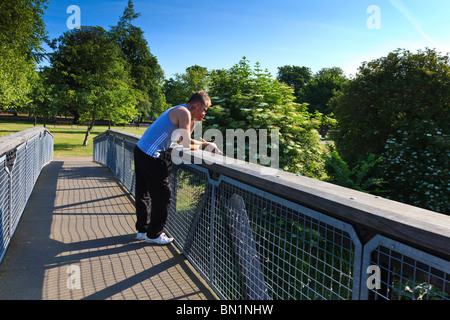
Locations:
column 10, row 160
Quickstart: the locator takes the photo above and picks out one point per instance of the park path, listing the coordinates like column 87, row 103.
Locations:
column 76, row 241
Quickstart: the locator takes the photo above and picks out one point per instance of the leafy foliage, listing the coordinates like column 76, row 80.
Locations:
column 361, row 177
column 22, row 27
column 246, row 98
column 295, row 77
column 16, row 78
column 145, row 70
column 321, row 88
column 22, row 31
column 42, row 99
column 398, row 108
column 179, row 89
column 89, row 73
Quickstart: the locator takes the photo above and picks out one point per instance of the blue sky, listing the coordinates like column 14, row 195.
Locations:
column 322, row 33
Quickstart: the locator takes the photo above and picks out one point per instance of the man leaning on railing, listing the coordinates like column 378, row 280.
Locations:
column 153, row 192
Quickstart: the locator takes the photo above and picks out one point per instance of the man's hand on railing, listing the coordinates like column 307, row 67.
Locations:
column 212, row 147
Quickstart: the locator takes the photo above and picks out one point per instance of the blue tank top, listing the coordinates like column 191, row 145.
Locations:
column 158, row 136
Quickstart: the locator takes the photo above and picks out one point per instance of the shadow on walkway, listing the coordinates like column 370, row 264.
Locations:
column 76, row 241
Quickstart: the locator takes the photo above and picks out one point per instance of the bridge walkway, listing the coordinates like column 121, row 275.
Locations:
column 76, row 240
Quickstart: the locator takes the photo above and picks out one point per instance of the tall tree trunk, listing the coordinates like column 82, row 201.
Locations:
column 76, row 116
column 88, row 132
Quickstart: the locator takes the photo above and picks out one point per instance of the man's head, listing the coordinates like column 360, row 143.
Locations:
column 198, row 103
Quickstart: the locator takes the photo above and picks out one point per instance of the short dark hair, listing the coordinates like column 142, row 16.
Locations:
column 199, row 96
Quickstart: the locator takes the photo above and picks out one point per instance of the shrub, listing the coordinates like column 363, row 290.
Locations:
column 246, row 98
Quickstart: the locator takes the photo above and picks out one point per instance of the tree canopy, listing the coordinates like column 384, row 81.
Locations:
column 398, row 108
column 22, row 31
column 90, row 74
column 145, row 70
column 178, row 90
column 321, row 88
column 295, row 76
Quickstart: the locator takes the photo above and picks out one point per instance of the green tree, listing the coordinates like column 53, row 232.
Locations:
column 145, row 70
column 178, row 90
column 361, row 177
column 295, row 77
column 22, row 31
column 398, row 108
column 245, row 97
column 89, row 71
column 42, row 99
column 16, row 78
column 321, row 88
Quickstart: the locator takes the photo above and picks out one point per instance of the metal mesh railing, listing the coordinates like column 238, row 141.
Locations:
column 20, row 165
column 405, row 273
column 116, row 151
column 253, row 245
column 249, row 243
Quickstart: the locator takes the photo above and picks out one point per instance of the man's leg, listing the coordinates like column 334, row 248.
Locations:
column 142, row 194
column 160, row 193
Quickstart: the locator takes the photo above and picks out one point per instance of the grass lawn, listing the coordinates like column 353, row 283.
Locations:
column 68, row 141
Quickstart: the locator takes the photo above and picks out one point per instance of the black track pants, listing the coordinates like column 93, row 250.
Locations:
column 152, row 194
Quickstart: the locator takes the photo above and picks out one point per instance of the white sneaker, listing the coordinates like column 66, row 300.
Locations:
column 161, row 240
column 141, row 236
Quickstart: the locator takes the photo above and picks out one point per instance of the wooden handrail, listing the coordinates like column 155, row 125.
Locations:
column 15, row 139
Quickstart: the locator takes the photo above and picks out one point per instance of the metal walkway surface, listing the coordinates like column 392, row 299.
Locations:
column 76, row 240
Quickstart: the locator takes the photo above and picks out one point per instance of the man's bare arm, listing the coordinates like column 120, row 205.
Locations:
column 182, row 118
